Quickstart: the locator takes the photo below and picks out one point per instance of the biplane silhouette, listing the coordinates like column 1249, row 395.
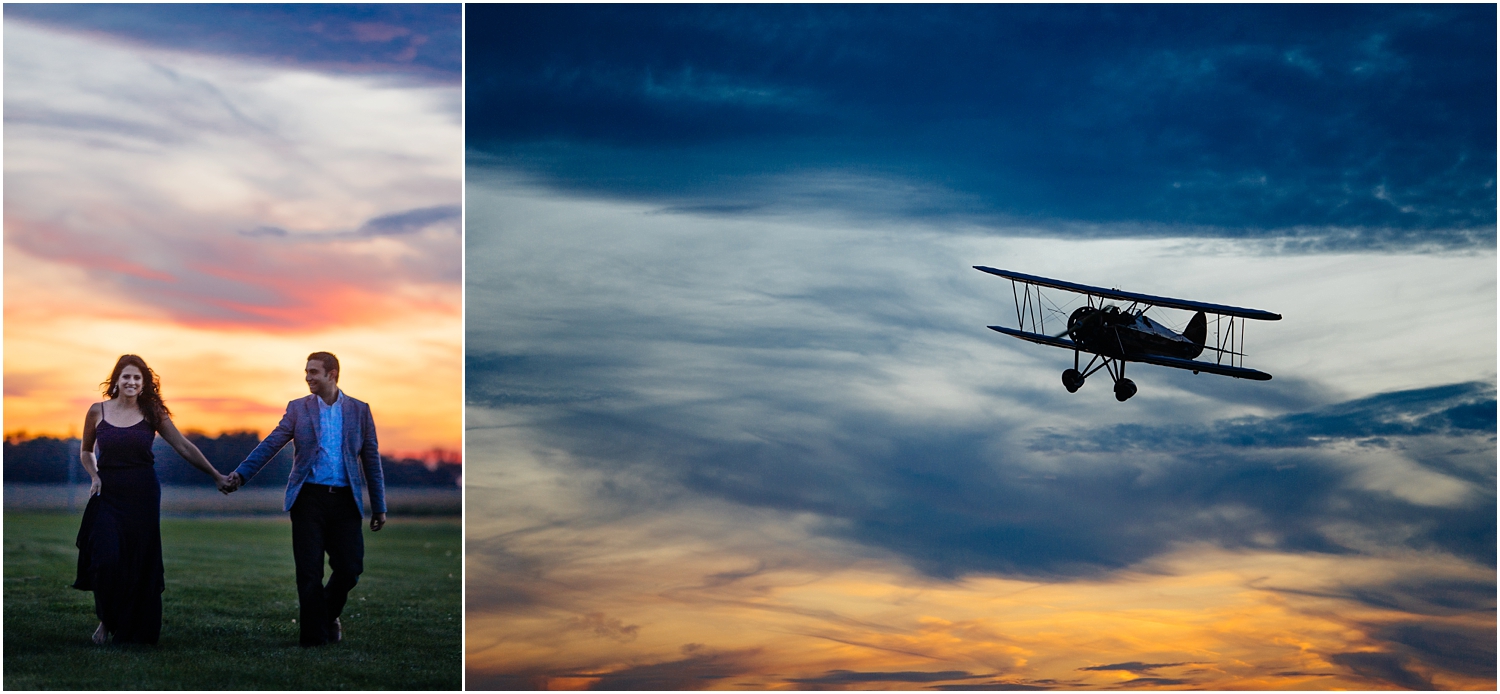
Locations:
column 1113, row 335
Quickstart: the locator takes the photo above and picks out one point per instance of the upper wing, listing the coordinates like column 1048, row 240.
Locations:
column 1132, row 296
column 1172, row 362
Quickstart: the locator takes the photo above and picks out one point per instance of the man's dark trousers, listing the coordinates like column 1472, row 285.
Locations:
column 325, row 519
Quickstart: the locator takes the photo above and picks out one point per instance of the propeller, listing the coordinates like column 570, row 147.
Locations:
column 1077, row 321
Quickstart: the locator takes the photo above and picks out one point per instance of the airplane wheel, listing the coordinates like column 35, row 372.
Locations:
column 1124, row 388
column 1072, row 380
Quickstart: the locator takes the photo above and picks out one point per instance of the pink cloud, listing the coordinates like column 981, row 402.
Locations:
column 55, row 242
column 229, row 281
column 376, row 31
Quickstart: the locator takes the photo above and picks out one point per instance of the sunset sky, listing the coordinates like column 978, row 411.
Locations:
column 223, row 189
column 735, row 421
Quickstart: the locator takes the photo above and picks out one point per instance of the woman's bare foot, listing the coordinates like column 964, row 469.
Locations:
column 100, row 635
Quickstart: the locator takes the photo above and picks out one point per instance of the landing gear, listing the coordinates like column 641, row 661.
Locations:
column 1073, row 378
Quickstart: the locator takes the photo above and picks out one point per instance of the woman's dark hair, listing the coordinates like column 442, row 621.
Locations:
column 149, row 401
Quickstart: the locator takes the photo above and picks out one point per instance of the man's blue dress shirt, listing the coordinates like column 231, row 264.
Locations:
column 329, row 467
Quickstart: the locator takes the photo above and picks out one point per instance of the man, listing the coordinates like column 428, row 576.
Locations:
column 337, row 458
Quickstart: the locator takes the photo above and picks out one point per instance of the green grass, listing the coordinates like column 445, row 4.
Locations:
column 228, row 609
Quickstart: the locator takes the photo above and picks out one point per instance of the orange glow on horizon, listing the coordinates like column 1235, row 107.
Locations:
column 698, row 593
column 409, row 368
column 1204, row 619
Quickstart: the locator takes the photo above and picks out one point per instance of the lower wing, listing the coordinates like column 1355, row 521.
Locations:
column 1170, row 362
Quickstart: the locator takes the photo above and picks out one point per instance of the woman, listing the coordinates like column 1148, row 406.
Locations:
column 119, row 544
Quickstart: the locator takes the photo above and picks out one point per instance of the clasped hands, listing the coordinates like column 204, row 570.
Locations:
column 230, row 482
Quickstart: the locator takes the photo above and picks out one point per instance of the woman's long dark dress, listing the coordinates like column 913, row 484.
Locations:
column 119, row 543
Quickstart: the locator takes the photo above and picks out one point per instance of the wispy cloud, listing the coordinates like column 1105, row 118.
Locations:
column 412, row 221
column 185, row 202
column 179, row 203
column 418, row 41
column 1134, row 666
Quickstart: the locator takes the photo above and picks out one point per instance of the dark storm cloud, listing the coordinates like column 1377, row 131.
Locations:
column 1468, row 650
column 501, row 380
column 418, row 40
column 1134, row 666
column 401, row 223
column 1154, row 682
column 1431, row 597
column 411, row 221
column 1436, row 597
column 954, row 501
column 1332, row 126
column 1382, row 667
column 1460, row 408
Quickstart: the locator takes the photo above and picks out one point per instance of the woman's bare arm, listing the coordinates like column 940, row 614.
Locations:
column 188, row 451
column 86, row 449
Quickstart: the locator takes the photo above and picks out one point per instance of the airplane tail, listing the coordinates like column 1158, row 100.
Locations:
column 1197, row 331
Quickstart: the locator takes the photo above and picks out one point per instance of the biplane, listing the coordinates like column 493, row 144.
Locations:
column 1113, row 335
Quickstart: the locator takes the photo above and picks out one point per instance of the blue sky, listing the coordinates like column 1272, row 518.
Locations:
column 420, row 40
column 1360, row 125
column 734, row 418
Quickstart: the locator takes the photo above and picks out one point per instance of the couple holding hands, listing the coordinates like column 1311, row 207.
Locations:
column 337, row 459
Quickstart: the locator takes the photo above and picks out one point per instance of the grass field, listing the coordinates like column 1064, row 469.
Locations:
column 229, row 607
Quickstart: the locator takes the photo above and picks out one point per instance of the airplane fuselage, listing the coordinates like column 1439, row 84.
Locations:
column 1122, row 334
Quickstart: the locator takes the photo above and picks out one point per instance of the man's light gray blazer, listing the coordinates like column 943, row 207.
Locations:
column 360, row 452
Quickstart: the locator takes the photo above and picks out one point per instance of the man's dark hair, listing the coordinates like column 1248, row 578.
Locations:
column 330, row 363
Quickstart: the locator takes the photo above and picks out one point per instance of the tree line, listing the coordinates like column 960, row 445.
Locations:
column 47, row 460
